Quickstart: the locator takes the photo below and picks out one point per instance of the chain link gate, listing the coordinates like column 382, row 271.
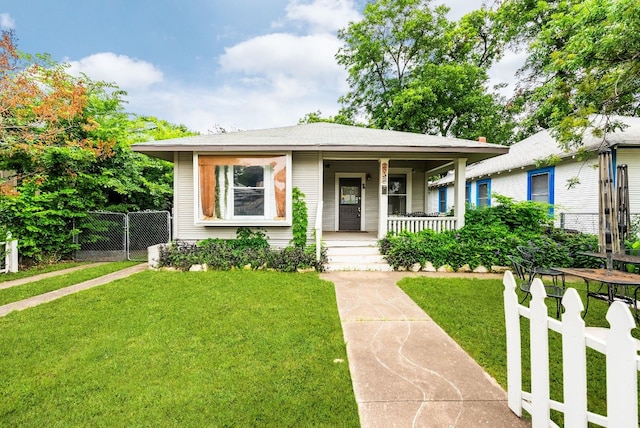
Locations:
column 109, row 236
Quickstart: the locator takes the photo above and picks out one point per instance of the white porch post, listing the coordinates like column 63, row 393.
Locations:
column 383, row 206
column 459, row 191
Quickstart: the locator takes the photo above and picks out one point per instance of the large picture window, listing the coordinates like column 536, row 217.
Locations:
column 235, row 189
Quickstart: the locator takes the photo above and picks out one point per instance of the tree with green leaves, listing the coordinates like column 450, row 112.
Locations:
column 583, row 63
column 411, row 69
column 67, row 141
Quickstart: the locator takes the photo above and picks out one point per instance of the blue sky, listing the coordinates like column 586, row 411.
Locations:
column 241, row 64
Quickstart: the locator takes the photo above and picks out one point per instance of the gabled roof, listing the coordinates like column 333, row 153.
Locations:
column 323, row 137
column 542, row 145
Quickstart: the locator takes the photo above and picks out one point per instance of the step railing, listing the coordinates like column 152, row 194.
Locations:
column 616, row 343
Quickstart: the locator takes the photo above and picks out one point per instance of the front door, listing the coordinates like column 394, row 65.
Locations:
column 350, row 204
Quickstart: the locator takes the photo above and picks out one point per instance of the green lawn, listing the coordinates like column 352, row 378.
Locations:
column 180, row 349
column 471, row 311
column 24, row 291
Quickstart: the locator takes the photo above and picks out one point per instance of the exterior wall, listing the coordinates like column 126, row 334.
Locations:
column 631, row 157
column 304, row 176
column 582, row 198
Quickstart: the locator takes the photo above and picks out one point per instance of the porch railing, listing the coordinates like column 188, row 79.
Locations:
column 416, row 224
column 616, row 343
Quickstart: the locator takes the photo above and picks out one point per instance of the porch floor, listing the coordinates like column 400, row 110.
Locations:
column 350, row 236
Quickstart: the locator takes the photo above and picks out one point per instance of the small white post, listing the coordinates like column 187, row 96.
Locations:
column 514, row 352
column 539, row 344
column 12, row 254
column 622, row 372
column 460, row 201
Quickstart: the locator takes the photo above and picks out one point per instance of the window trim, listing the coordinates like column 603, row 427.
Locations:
column 479, row 183
column 248, row 221
column 550, row 171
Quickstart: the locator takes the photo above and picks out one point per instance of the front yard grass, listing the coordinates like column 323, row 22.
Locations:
column 24, row 291
column 471, row 311
column 180, row 349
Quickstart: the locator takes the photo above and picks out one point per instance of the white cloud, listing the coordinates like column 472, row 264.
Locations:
column 7, row 22
column 298, row 64
column 323, row 15
column 265, row 81
column 127, row 73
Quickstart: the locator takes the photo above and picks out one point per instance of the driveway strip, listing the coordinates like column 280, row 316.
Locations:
column 56, row 294
column 21, row 281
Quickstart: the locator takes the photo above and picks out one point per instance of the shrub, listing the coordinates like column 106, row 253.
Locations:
column 300, row 219
column 250, row 248
column 489, row 235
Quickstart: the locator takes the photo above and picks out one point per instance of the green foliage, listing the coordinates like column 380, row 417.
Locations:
column 411, row 69
column 582, row 60
column 489, row 235
column 250, row 250
column 68, row 140
column 43, row 222
column 316, row 117
column 300, row 219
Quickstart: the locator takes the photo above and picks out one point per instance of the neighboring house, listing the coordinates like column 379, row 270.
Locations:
column 355, row 179
column 518, row 174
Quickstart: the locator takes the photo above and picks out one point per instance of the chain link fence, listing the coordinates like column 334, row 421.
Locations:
column 588, row 222
column 109, row 236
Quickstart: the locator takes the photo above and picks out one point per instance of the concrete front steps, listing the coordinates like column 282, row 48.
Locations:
column 350, row 255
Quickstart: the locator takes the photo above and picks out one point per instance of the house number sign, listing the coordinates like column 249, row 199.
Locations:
column 384, row 176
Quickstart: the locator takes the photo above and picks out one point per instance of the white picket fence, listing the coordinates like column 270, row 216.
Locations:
column 10, row 262
column 616, row 343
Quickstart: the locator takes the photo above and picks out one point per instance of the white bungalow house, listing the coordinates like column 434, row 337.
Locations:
column 359, row 180
column 521, row 175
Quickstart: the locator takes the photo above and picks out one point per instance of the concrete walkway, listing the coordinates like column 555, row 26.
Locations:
column 56, row 294
column 406, row 371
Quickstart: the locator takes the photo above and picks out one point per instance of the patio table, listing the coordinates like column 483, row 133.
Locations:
column 618, row 286
column 622, row 259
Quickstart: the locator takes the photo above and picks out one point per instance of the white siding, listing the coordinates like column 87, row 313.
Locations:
column 631, row 157
column 306, row 177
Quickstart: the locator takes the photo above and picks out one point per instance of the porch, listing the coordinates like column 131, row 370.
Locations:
column 377, row 196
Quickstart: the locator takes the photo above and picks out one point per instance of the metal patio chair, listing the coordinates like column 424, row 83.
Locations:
column 525, row 273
